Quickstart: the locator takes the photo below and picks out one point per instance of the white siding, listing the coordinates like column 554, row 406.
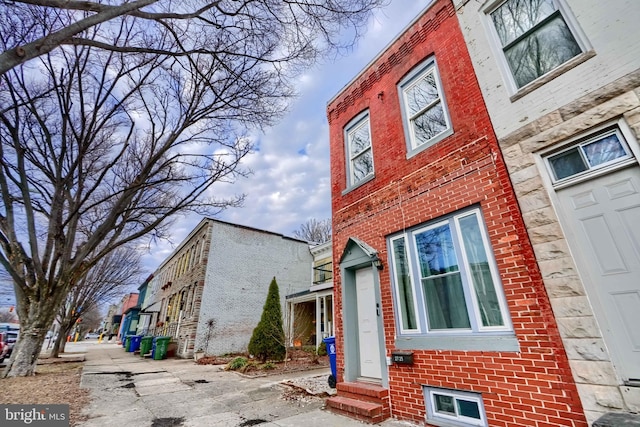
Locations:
column 612, row 30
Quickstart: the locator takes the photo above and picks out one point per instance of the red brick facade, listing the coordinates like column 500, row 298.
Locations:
column 530, row 387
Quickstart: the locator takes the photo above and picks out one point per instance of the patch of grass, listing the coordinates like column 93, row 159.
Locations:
column 251, row 366
column 237, row 364
column 268, row 366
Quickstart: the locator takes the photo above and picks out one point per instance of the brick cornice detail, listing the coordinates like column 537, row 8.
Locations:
column 394, row 58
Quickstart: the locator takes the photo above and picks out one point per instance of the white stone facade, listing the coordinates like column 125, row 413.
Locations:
column 603, row 87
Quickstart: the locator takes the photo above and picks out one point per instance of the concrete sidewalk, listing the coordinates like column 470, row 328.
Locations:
column 129, row 390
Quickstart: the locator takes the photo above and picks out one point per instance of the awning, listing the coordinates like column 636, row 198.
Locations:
column 153, row 308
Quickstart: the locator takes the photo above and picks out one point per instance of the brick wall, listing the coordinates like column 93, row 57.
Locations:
column 532, row 387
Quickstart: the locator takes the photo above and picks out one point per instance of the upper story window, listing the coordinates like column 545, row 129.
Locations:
column 322, row 272
column 446, row 280
column 535, row 36
column 425, row 113
column 359, row 153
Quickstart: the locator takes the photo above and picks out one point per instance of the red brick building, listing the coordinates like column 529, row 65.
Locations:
column 441, row 313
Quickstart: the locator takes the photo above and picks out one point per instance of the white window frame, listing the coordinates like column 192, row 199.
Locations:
column 354, row 125
column 498, row 48
column 403, row 330
column 424, row 68
column 420, row 309
column 440, row 418
column 591, row 171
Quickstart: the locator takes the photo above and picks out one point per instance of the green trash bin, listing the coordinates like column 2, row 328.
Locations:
column 127, row 343
column 160, row 345
column 145, row 345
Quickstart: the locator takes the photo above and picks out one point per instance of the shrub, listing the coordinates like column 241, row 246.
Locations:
column 267, row 340
column 268, row 366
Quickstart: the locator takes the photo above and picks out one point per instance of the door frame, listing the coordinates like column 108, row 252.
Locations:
column 358, row 255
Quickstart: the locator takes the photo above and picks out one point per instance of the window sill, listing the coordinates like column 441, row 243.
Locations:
column 540, row 81
column 359, row 184
column 413, row 151
column 479, row 342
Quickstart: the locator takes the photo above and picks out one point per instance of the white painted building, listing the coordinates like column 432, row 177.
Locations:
column 209, row 294
column 561, row 80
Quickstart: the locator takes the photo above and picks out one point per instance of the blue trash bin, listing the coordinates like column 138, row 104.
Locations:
column 134, row 344
column 330, row 342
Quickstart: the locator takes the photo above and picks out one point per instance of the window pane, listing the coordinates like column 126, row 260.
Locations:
column 429, row 124
column 604, row 150
column 441, row 279
column 403, row 281
column 436, row 253
column 446, row 305
column 567, row 164
column 359, row 139
column 362, row 166
column 421, row 93
column 444, row 404
column 468, row 409
column 515, row 17
column 540, row 52
column 484, row 288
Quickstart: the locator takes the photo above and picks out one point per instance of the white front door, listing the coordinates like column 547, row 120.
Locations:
column 602, row 216
column 369, row 347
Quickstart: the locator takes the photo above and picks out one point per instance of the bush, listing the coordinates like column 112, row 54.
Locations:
column 267, row 340
column 268, row 366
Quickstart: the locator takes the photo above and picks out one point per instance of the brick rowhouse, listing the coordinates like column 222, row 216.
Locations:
column 532, row 386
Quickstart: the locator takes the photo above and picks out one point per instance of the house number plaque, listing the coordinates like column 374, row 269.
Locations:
column 402, row 358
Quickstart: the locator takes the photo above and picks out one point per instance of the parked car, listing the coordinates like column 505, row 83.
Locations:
column 91, row 335
column 11, row 338
column 4, row 346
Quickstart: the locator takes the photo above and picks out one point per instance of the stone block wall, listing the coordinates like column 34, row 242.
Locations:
column 600, row 389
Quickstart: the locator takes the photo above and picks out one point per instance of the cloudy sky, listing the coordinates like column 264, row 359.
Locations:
column 290, row 182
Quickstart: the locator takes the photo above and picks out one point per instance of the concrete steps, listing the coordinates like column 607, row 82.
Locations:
column 362, row 401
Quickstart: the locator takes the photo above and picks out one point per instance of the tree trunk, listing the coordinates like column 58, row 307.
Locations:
column 25, row 353
column 61, row 339
column 33, row 330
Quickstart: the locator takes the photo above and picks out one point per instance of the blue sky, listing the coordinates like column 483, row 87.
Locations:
column 291, row 182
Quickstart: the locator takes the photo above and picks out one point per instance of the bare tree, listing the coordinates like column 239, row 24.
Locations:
column 315, row 231
column 267, row 29
column 116, row 117
column 108, row 279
